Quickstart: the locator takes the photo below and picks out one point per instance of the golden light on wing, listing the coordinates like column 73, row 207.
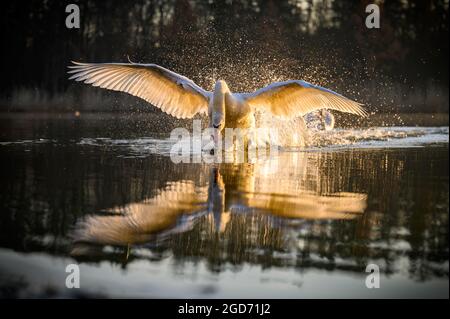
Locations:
column 172, row 93
column 297, row 98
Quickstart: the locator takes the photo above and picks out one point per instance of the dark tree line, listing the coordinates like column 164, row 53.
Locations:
column 247, row 42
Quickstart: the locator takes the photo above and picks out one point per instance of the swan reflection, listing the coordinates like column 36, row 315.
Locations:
column 289, row 187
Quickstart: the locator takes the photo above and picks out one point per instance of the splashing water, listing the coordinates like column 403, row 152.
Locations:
column 379, row 137
column 307, row 140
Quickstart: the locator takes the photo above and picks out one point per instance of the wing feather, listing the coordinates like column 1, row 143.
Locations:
column 297, row 98
column 171, row 92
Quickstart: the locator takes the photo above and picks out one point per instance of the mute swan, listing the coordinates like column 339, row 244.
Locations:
column 182, row 98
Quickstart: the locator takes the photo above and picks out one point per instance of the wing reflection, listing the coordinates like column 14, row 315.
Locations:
column 139, row 222
column 293, row 191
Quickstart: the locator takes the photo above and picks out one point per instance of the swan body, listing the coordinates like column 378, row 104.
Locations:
column 182, row 98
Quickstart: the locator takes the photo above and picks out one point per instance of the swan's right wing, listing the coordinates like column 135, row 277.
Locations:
column 297, row 98
column 172, row 93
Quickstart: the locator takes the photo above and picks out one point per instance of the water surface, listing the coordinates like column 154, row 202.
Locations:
column 101, row 192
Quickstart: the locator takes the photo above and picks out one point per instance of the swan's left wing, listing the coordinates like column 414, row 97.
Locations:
column 171, row 92
column 297, row 98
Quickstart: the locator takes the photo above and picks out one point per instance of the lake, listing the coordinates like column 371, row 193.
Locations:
column 100, row 191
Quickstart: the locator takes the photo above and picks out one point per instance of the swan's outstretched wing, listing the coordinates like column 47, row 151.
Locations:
column 297, row 98
column 172, row 93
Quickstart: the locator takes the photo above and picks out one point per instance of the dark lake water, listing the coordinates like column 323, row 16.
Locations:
column 100, row 191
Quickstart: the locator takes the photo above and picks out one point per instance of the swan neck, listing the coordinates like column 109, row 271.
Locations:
column 220, row 90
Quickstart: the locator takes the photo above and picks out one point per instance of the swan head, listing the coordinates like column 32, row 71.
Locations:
column 221, row 86
column 218, row 121
column 218, row 124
